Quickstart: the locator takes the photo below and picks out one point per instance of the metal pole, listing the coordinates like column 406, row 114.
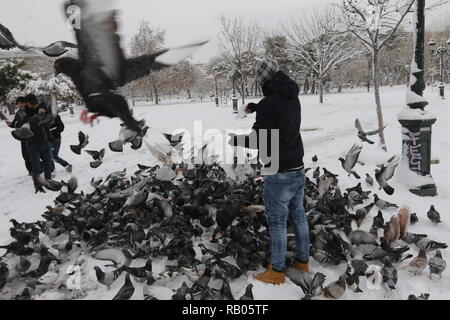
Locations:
column 216, row 98
column 416, row 122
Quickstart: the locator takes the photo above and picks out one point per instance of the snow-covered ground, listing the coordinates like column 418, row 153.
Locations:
column 328, row 131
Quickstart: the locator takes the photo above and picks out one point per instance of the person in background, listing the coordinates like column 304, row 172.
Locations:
column 56, row 127
column 38, row 146
column 284, row 190
column 18, row 118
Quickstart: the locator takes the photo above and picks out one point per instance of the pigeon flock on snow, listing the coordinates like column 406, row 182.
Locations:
column 210, row 230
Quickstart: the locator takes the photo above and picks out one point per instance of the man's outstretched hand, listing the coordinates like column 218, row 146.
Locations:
column 250, row 108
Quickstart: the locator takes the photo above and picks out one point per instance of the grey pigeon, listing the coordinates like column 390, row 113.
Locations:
column 351, row 159
column 83, row 141
column 369, row 180
column 430, row 245
column 97, row 156
column 248, row 295
column 423, row 296
column 127, row 290
column 386, row 173
column 363, row 135
column 382, row 204
column 55, row 49
column 389, row 274
column 434, row 215
column 437, row 264
column 311, row 287
column 102, row 67
column 335, row 290
column 108, row 278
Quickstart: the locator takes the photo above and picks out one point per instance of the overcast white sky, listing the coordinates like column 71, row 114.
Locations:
column 43, row 21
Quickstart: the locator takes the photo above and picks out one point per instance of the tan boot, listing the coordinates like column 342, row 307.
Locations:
column 301, row 266
column 271, row 276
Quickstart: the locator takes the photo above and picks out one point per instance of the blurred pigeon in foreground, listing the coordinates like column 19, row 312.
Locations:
column 102, row 66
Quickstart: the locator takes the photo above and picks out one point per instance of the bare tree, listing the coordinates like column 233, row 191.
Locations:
column 238, row 41
column 374, row 23
column 322, row 50
column 147, row 40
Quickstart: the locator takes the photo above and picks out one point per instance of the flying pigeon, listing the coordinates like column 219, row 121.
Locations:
column 386, row 173
column 97, row 156
column 363, row 135
column 437, row 264
column 351, row 159
column 55, row 49
column 312, row 287
column 102, row 66
column 174, row 140
column 127, row 135
column 83, row 142
column 434, row 215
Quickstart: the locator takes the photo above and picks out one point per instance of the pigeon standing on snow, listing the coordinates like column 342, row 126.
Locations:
column 363, row 135
column 127, row 290
column 55, row 49
column 369, row 180
column 97, row 156
column 389, row 274
column 102, row 66
column 382, row 204
column 335, row 290
column 434, row 215
column 311, row 287
column 351, row 159
column 437, row 264
column 83, row 141
column 418, row 264
column 429, row 245
column 423, row 296
column 386, row 173
column 248, row 295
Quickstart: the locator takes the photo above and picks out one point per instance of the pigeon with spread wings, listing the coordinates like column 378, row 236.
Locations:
column 56, row 49
column 363, row 134
column 102, row 66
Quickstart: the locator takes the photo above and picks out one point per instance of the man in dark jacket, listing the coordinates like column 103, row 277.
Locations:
column 18, row 118
column 38, row 146
column 279, row 113
column 56, row 127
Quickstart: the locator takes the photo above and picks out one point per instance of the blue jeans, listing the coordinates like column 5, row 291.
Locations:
column 55, row 154
column 283, row 197
column 38, row 152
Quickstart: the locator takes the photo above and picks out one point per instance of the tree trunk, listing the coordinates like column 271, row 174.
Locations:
column 155, row 88
column 11, row 108
column 376, row 87
column 320, row 90
column 243, row 90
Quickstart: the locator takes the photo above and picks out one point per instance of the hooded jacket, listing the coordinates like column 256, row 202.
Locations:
column 280, row 109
